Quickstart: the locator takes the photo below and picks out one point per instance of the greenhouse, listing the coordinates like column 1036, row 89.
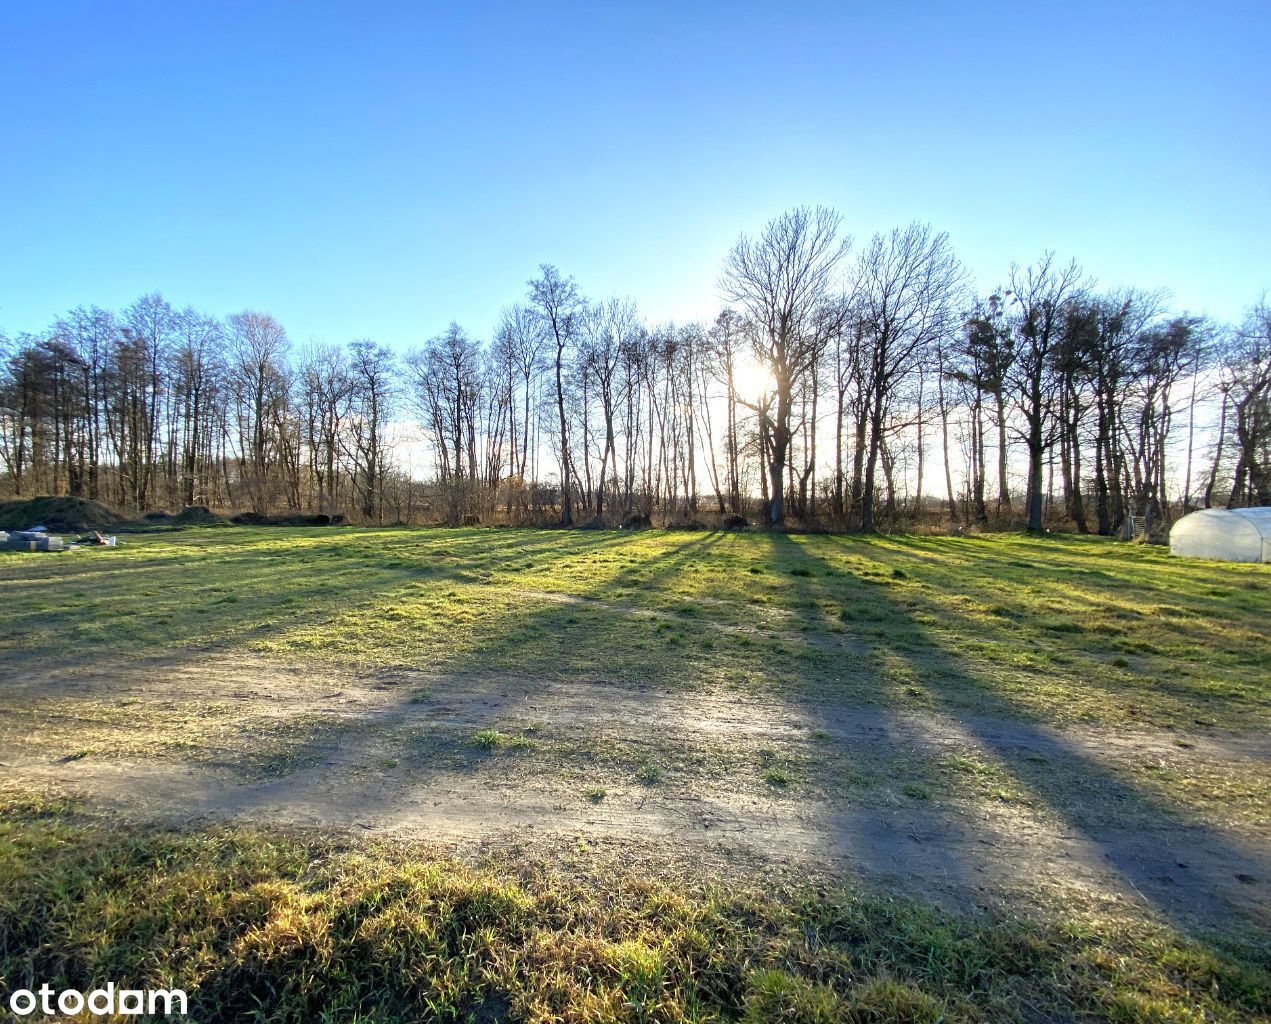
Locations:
column 1232, row 535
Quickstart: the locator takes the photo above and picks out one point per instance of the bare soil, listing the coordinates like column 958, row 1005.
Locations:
column 870, row 792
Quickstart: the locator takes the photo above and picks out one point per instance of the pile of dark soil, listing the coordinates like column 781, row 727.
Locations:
column 59, row 514
column 191, row 515
column 256, row 519
column 197, row 515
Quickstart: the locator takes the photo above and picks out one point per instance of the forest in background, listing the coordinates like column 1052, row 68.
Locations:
column 848, row 386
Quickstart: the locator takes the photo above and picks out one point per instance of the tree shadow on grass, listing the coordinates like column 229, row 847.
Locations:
column 185, row 602
column 1164, row 855
column 624, row 623
column 1152, row 654
column 575, row 637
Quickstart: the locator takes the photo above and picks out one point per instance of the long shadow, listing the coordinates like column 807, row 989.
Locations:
column 91, row 607
column 881, row 842
column 614, row 628
column 1043, row 601
column 1071, row 783
column 622, row 626
column 267, row 587
column 574, row 636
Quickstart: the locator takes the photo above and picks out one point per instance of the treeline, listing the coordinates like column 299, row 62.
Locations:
column 835, row 386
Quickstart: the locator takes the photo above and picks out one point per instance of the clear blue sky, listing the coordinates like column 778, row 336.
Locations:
column 380, row 169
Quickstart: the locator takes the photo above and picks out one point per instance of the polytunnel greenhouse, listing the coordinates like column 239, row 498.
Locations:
column 1232, row 535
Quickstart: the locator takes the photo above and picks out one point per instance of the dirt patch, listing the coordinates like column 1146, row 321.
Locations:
column 967, row 808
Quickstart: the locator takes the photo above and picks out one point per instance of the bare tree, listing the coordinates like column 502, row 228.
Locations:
column 783, row 279
column 373, row 371
column 609, row 330
column 725, row 342
column 1039, row 295
column 1160, row 360
column 988, row 354
column 520, row 339
column 259, row 349
column 1248, row 386
column 446, row 378
column 93, row 334
column 1113, row 324
column 908, row 286
column 1204, row 348
column 197, row 374
column 327, row 391
column 556, row 302
column 150, row 324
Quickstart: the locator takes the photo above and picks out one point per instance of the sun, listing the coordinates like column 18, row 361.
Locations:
column 752, row 380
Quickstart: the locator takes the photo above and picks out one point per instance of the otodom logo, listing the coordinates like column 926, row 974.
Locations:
column 100, row 1002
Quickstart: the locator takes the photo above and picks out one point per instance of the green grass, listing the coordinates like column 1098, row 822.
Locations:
column 493, row 739
column 649, row 773
column 1039, row 632
column 1051, row 628
column 273, row 927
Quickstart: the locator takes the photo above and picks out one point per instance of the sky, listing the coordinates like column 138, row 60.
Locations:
column 376, row 170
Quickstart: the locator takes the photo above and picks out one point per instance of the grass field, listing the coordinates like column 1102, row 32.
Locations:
column 500, row 774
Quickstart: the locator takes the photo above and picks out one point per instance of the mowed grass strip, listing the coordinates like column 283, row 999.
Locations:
column 1056, row 629
column 272, row 927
